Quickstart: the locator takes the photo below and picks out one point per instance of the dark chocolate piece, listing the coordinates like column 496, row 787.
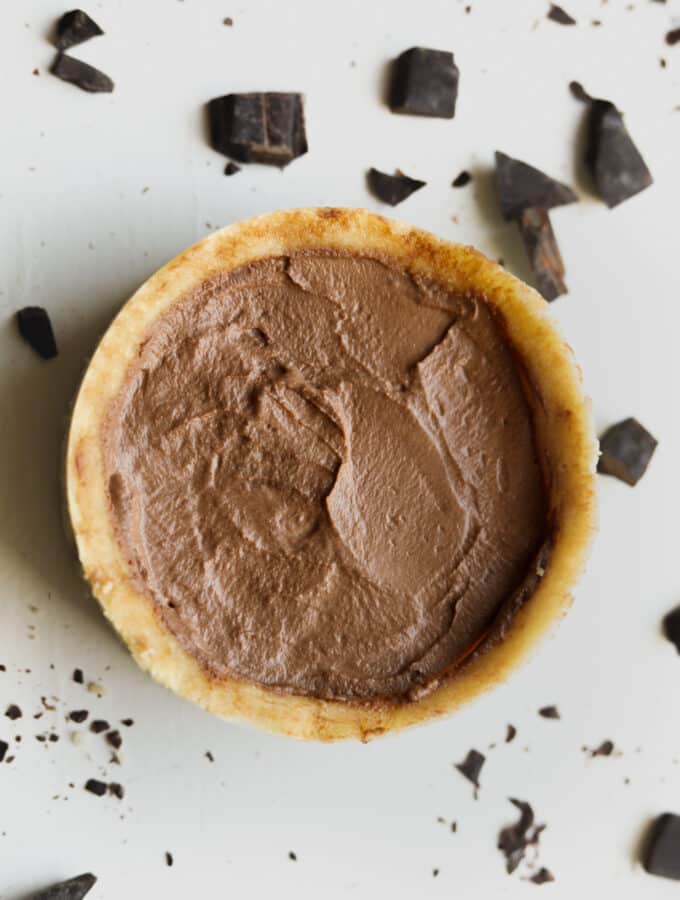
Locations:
column 672, row 37
column 520, row 186
column 471, row 766
column 462, row 179
column 4, row 747
column 559, row 15
column 512, row 731
column 543, row 876
column 606, row 748
column 94, row 786
column 392, row 189
column 544, row 254
column 231, row 168
column 13, row 711
column 514, row 840
column 266, row 128
column 549, row 712
column 74, row 27
column 114, row 738
column 292, row 856
column 78, row 715
column 169, row 859
column 36, row 329
column 78, row 676
column 127, row 722
column 73, row 889
column 671, row 627
column 117, row 790
column 625, row 451
column 424, row 83
column 99, row 725
column 84, row 76
column 662, row 853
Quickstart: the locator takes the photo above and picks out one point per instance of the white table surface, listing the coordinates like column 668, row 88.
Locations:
column 96, row 192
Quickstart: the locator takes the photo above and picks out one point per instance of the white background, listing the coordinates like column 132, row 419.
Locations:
column 96, row 193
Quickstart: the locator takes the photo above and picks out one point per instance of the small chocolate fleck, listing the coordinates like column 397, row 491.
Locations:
column 292, row 856
column 86, row 77
column 510, row 735
column 209, row 756
column 13, row 712
column 559, row 15
column 3, row 668
column 78, row 676
column 392, row 189
column 227, row 20
column 41, row 737
column 461, row 179
column 73, row 889
column 99, row 725
column 549, row 712
column 520, row 186
column 661, row 855
column 127, row 722
column 4, row 747
column 114, row 738
column 671, row 627
column 95, row 787
column 169, row 859
column 35, row 72
column 673, row 36
column 543, row 876
column 435, row 872
column 75, row 27
column 53, row 738
column 471, row 766
column 626, row 450
column 78, row 715
column 454, row 827
column 231, row 168
column 606, row 748
column 36, row 329
column 424, row 82
column 263, row 128
column 117, row 790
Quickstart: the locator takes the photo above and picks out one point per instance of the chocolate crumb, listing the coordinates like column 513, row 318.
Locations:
column 227, row 20
column 292, row 856
column 114, row 738
column 78, row 676
column 392, row 189
column 549, row 712
column 424, row 82
column 461, row 179
column 127, row 722
column 13, row 712
column 41, row 737
column 435, row 872
column 80, row 74
column 559, row 15
column 662, row 62
column 78, row 715
column 114, row 759
column 35, row 72
column 231, row 168
column 4, row 747
column 53, row 738
column 49, row 706
column 606, row 748
column 661, row 856
column 671, row 627
column 454, row 827
column 672, row 37
column 543, row 876
column 36, row 329
column 209, row 756
column 117, row 790
column 3, row 668
column 471, row 766
column 626, row 450
column 73, row 889
column 99, row 725
column 94, row 786
column 169, row 860
column 510, row 735
column 596, row 23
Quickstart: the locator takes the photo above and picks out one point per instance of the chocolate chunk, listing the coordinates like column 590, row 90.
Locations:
column 543, row 876
column 462, row 179
column 78, row 715
column 86, row 77
column 127, row 722
column 561, row 16
column 392, row 189
column 95, row 787
column 73, row 889
column 606, row 748
column 625, row 451
column 75, row 27
column 117, row 790
column 169, row 859
column 671, row 627
column 114, row 738
column 99, row 725
column 78, row 676
column 544, row 254
column 424, row 83
column 672, row 37
column 471, row 766
column 549, row 712
column 662, row 853
column 514, row 840
column 4, row 747
column 36, row 329
column 231, row 168
column 614, row 162
column 13, row 711
column 520, row 186
column 512, row 731
column 266, row 128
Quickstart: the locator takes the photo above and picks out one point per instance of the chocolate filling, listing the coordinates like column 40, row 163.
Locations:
column 322, row 473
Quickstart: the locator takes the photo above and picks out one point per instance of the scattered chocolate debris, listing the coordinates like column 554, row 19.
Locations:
column 73, row 889
column 75, row 27
column 292, row 856
column 78, row 676
column 36, row 329
column 626, row 450
column 82, row 75
column 231, row 168
column 549, row 712
column 471, row 766
column 424, row 83
column 13, row 712
column 514, row 840
column 462, row 179
column 606, row 748
column 392, row 189
column 4, row 747
column 671, row 627
column 559, row 15
column 543, row 876
column 265, row 128
column 99, row 725
column 672, row 37
column 662, row 853
column 169, row 860
column 512, row 731
column 127, row 722
column 209, row 756
column 95, row 787
column 227, row 20
column 117, row 790
column 520, row 186
column 78, row 715
column 114, row 738
column 544, row 255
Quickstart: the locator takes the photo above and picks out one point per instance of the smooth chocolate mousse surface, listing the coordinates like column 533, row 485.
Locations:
column 322, row 472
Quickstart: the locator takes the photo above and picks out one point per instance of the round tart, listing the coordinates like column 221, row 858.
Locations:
column 331, row 475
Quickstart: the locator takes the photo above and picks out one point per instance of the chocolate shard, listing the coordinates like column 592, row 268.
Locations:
column 424, row 82
column 520, row 186
column 625, row 451
column 559, row 15
column 471, row 766
column 36, row 329
column 671, row 627
column 614, row 162
column 662, row 853
column 462, row 179
column 544, row 254
column 94, row 786
column 543, row 876
column 265, row 128
column 549, row 712
column 392, row 189
column 74, row 27
column 86, row 77
column 73, row 889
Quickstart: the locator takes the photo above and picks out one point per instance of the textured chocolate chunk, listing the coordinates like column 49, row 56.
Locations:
column 471, row 766
column 73, row 889
column 462, row 179
column 520, row 186
column 82, row 75
column 74, row 27
column 671, row 627
column 424, row 83
column 549, row 712
column 561, row 16
column 662, row 853
column 626, row 450
column 544, row 254
column 543, row 876
column 13, row 711
column 78, row 715
column 266, row 128
column 94, row 786
column 36, row 329
column 392, row 189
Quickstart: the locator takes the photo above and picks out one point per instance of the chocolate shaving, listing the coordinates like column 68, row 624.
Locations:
column 78, row 715
column 94, row 786
column 13, row 712
column 462, row 179
column 471, row 766
column 75, row 27
column 549, row 712
column 265, row 128
column 82, row 75
column 673, row 37
column 392, row 189
column 661, row 855
column 559, row 15
column 625, row 451
column 520, row 186
column 424, row 82
column 544, row 254
column 36, row 329
column 671, row 627
column 4, row 747
column 543, row 876
column 73, row 889
column 512, row 731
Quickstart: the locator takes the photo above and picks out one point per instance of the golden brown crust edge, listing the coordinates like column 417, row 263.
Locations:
column 567, row 436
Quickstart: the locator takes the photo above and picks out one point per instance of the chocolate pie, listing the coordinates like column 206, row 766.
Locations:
column 330, row 474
